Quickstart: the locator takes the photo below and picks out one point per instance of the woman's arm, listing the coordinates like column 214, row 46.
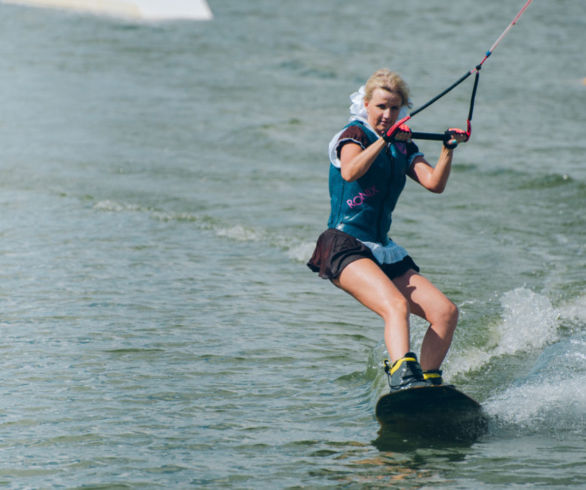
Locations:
column 435, row 178
column 356, row 161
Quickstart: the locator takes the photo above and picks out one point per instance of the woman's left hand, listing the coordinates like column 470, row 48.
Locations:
column 455, row 136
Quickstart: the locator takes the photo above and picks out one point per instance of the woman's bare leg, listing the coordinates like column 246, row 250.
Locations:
column 428, row 302
column 365, row 280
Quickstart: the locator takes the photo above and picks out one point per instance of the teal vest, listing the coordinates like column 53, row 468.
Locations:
column 364, row 208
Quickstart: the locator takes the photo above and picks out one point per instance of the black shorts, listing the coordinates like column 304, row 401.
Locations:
column 335, row 250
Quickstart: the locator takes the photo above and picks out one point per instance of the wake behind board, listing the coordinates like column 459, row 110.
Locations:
column 432, row 411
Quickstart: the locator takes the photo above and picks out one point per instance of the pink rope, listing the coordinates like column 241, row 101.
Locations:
column 500, row 38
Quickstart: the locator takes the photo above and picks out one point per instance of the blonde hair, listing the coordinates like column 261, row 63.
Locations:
column 387, row 80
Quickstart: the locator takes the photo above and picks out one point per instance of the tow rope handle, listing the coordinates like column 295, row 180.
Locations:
column 472, row 99
column 447, row 134
column 438, row 136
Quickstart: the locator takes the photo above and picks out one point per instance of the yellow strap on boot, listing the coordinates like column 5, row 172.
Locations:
column 398, row 363
column 427, row 375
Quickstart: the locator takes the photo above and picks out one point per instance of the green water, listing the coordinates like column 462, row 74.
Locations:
column 161, row 187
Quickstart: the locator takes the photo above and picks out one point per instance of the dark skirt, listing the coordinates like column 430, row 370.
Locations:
column 335, row 250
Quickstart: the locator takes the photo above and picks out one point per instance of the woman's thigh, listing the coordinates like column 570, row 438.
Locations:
column 365, row 280
column 425, row 299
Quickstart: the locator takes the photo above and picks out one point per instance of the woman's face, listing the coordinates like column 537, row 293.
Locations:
column 383, row 109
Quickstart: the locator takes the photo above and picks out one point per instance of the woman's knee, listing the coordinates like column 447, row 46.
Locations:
column 395, row 306
column 450, row 314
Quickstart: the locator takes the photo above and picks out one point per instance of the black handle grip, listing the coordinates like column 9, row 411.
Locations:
column 428, row 136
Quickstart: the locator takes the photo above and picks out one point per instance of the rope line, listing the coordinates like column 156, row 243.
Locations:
column 475, row 70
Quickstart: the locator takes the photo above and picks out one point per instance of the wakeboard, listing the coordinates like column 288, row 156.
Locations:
column 434, row 411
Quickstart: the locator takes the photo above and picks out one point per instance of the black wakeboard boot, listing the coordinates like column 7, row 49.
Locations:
column 434, row 376
column 405, row 373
